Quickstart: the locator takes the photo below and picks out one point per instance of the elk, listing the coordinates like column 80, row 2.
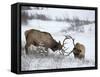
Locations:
column 38, row 38
column 78, row 50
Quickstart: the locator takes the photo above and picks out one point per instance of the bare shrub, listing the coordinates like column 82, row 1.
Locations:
column 24, row 17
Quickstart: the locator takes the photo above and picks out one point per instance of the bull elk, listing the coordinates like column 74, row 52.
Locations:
column 38, row 38
column 78, row 50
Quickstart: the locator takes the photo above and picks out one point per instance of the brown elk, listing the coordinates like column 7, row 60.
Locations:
column 78, row 50
column 37, row 37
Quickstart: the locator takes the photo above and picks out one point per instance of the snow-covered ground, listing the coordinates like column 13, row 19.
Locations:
column 54, row 60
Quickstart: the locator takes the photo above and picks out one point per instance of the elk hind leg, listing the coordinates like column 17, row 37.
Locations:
column 26, row 47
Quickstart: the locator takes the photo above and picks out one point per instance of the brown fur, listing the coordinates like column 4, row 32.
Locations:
column 36, row 37
column 79, row 51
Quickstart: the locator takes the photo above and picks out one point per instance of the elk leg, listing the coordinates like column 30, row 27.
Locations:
column 26, row 47
column 46, row 49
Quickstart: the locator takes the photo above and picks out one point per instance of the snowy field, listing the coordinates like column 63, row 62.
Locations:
column 54, row 60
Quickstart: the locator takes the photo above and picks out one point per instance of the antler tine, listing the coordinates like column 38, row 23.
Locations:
column 63, row 51
column 72, row 40
column 64, row 41
column 70, row 37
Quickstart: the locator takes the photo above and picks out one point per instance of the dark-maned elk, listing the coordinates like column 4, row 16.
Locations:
column 37, row 37
column 78, row 50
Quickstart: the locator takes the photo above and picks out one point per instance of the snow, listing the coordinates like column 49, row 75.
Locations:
column 54, row 60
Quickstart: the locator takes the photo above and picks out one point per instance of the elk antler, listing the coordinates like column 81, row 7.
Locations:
column 72, row 39
column 62, row 49
column 64, row 41
column 67, row 37
column 73, row 44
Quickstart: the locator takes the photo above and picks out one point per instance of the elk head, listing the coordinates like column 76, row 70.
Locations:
column 58, row 45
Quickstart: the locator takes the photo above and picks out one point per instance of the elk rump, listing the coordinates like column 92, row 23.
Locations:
column 37, row 37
